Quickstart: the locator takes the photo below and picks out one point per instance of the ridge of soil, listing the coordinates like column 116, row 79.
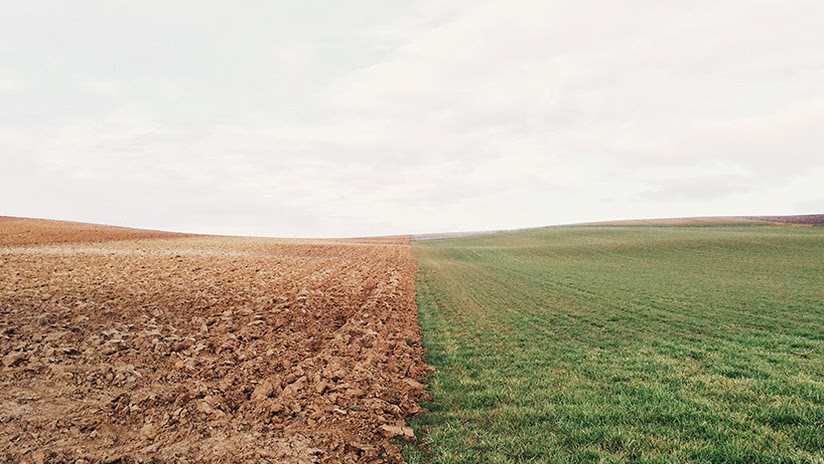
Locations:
column 205, row 349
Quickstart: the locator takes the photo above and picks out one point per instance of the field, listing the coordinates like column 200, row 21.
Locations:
column 122, row 346
column 679, row 340
column 624, row 344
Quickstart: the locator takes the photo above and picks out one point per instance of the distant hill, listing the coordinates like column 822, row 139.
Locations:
column 806, row 219
column 695, row 221
column 25, row 231
column 809, row 219
column 801, row 220
column 15, row 231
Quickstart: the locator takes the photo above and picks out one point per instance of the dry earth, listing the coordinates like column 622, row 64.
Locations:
column 123, row 346
column 24, row 231
column 804, row 220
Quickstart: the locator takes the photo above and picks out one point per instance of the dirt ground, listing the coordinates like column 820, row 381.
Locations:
column 120, row 346
column 804, row 220
column 24, row 231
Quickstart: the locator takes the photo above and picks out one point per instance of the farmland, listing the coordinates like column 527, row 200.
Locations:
column 119, row 345
column 631, row 343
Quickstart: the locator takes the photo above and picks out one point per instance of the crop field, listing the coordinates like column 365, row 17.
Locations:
column 624, row 344
column 123, row 346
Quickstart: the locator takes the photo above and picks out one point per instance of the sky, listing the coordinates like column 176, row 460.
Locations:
column 332, row 119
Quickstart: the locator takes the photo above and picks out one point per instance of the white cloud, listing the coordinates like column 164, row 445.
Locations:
column 394, row 118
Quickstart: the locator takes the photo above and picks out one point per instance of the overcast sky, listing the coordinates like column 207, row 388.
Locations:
column 328, row 118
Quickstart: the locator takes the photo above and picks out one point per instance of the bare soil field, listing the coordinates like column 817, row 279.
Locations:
column 807, row 219
column 23, row 231
column 171, row 348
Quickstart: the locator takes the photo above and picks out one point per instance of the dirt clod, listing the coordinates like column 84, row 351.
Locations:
column 391, row 431
column 135, row 346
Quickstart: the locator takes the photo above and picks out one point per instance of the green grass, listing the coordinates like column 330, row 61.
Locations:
column 624, row 344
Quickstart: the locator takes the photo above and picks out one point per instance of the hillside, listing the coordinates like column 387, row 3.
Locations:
column 25, row 231
column 809, row 220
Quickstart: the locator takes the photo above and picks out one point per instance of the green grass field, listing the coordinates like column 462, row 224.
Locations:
column 624, row 344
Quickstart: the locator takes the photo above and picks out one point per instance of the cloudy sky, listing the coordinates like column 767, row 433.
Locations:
column 327, row 118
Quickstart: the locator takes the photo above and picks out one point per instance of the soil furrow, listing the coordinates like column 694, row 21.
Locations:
column 205, row 349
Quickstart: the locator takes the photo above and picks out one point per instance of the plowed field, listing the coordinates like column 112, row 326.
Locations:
column 169, row 348
column 808, row 219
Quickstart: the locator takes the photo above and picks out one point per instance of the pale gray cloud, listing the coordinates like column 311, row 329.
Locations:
column 325, row 119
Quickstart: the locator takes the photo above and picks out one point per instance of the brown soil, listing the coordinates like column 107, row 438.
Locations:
column 805, row 220
column 23, row 231
column 204, row 349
